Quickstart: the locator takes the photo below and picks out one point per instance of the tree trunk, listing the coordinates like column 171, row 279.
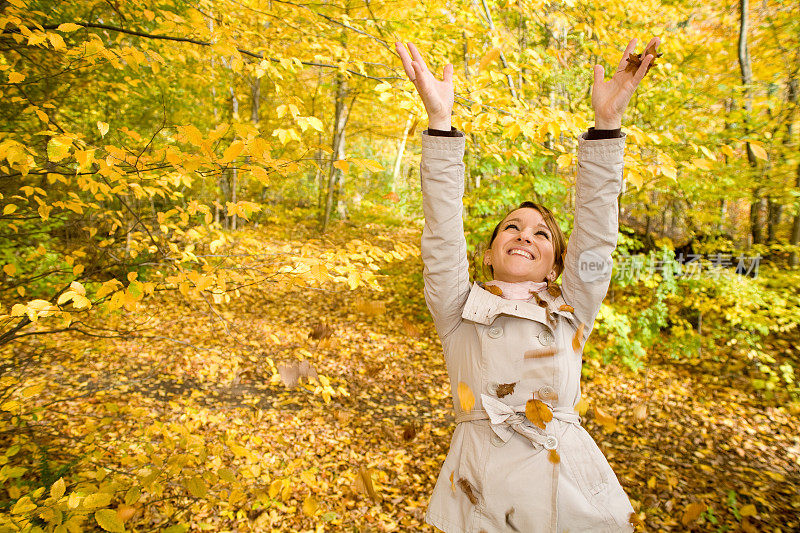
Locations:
column 794, row 238
column 341, row 114
column 747, row 79
column 234, row 168
column 401, row 148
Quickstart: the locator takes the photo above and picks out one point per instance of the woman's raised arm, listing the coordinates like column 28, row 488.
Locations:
column 587, row 265
column 444, row 249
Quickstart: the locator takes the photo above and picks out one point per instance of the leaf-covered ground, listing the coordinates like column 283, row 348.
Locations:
column 192, row 426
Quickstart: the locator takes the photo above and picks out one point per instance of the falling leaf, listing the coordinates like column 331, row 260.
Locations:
column 554, row 457
column 635, row 60
column 103, row 127
column 608, row 422
column 554, row 290
column 759, row 151
column 567, row 308
column 364, row 483
column 576, row 340
column 692, row 512
column 465, row 397
column 640, row 412
column 541, row 352
column 494, row 289
column 466, row 486
column 538, row 413
column 452, row 483
column 504, row 389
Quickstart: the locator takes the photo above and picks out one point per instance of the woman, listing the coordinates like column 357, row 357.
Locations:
column 519, row 459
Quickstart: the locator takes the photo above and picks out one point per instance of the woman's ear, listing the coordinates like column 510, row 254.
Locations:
column 487, row 260
column 551, row 276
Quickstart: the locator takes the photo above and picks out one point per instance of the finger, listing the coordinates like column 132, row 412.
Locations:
column 406, row 59
column 447, row 75
column 419, row 78
column 642, row 70
column 654, row 42
column 417, row 57
column 599, row 74
column 628, row 51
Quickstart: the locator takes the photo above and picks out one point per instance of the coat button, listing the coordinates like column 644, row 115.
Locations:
column 546, row 392
column 550, row 443
column 547, row 338
column 495, row 332
column 492, row 387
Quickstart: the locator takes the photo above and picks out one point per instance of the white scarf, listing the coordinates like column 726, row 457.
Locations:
column 520, row 290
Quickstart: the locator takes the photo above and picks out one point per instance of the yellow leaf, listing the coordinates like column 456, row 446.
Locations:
column 748, row 510
column 24, row 505
column 78, row 288
column 10, row 269
column 668, row 171
column 196, row 487
column 274, row 488
column 465, row 397
column 493, row 54
column 109, row 521
column 77, row 270
column 10, row 208
column 15, row 77
column 68, row 27
column 99, row 499
column 103, row 127
column 58, row 489
column 57, row 41
column 310, row 505
column 564, row 160
column 608, row 422
column 341, row 165
column 232, row 152
column 759, row 151
column 32, row 391
column 692, row 512
column 538, row 413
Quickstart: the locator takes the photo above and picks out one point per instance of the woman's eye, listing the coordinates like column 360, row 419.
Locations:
column 546, row 235
column 512, row 226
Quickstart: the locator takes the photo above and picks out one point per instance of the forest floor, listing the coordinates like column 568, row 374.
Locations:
column 198, row 415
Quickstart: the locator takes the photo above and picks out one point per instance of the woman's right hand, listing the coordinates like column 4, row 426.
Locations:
column 437, row 96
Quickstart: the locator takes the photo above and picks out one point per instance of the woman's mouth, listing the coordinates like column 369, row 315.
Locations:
column 523, row 253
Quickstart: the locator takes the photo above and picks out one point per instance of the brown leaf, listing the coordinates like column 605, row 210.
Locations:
column 541, row 352
column 465, row 397
column 554, row 457
column 320, row 331
column 410, row 329
column 538, row 413
column 290, row 374
column 494, row 289
column 635, row 60
column 692, row 512
column 504, row 389
column 567, row 308
column 364, row 483
column 409, row 431
column 469, row 490
column 554, row 290
column 576, row 340
column 640, row 412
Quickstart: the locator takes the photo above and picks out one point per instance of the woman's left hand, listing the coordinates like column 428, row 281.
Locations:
column 610, row 98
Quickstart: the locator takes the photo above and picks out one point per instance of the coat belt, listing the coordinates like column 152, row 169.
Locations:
column 507, row 420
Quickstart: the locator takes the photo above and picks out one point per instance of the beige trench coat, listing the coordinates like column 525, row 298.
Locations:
column 498, row 476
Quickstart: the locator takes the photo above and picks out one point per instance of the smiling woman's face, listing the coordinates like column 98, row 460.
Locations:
column 523, row 248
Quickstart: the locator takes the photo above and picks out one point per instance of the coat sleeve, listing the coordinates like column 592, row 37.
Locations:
column 444, row 248
column 587, row 264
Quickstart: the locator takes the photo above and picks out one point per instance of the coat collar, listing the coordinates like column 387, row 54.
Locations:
column 483, row 307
